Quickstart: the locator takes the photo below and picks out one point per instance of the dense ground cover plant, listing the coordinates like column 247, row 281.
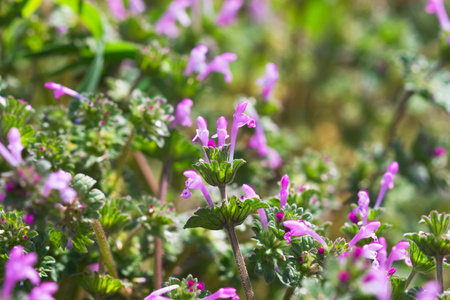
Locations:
column 199, row 149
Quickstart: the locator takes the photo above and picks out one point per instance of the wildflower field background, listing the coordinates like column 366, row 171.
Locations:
column 224, row 149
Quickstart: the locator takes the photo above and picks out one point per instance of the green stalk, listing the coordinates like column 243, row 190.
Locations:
column 104, row 248
column 439, row 272
column 289, row 292
column 123, row 157
column 245, row 279
column 410, row 277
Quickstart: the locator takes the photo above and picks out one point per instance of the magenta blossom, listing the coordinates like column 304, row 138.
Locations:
column 370, row 251
column 44, row 291
column 259, row 10
column 430, row 291
column 439, row 151
column 269, row 80
column 220, row 64
column 166, row 25
column 136, row 6
column 19, row 267
column 284, row 192
column 250, row 193
column 197, row 60
column 182, row 114
column 156, row 295
column 202, row 132
column 376, row 283
column 365, row 232
column 228, row 13
column 117, row 9
column 437, row 7
column 363, row 206
column 383, row 262
column 387, row 182
column 239, row 119
column 195, row 182
column 60, row 181
column 59, row 90
column 223, row 293
column 298, row 228
column 13, row 153
column 222, row 133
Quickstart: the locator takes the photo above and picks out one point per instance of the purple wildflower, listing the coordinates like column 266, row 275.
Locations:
column 195, row 182
column 269, row 80
column 353, row 218
column 222, row 133
column 430, row 291
column 227, row 14
column 284, row 192
column 117, row 9
column 2, row 101
column 259, row 10
column 370, row 251
column 239, row 119
column 223, row 293
column 29, row 219
column 200, row 286
column 249, row 194
column 383, row 262
column 376, row 283
column 439, row 151
column 136, row 7
column 59, row 90
column 363, row 206
column 344, row 276
column 298, row 228
column 220, row 64
column 202, row 131
column 365, row 232
column 60, row 181
column 44, row 291
column 182, row 114
column 156, row 295
column 279, row 216
column 387, row 182
column 437, row 7
column 19, row 267
column 12, row 154
column 197, row 60
column 166, row 25
column 212, row 143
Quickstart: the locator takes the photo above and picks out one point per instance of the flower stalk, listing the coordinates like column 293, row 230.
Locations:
column 439, row 272
column 104, row 248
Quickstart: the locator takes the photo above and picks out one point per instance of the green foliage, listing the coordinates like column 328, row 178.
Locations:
column 99, row 285
column 232, row 212
column 438, row 223
column 421, row 262
column 111, row 216
column 187, row 290
column 16, row 114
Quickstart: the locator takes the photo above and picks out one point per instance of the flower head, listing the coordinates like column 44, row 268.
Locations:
column 222, row 133
column 156, row 295
column 363, row 206
column 227, row 14
column 19, row 267
column 250, row 193
column 430, row 291
column 59, row 90
column 166, row 25
column 182, row 114
column 117, row 9
column 223, row 293
column 195, row 182
column 269, row 80
column 136, row 6
column 44, row 291
column 437, row 7
column 376, row 283
column 365, row 232
column 197, row 60
column 387, row 182
column 12, row 154
column 284, row 192
column 298, row 228
column 439, row 151
column 220, row 64
column 202, row 131
column 239, row 119
column 60, row 181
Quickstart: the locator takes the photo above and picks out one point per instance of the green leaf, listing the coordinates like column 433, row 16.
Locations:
column 82, row 184
column 437, row 223
column 111, row 217
column 421, row 262
column 92, row 78
column 55, row 237
column 234, row 212
column 429, row 244
column 88, row 15
column 99, row 285
column 30, row 7
column 398, row 287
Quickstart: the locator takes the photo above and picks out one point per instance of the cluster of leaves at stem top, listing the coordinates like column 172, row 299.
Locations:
column 219, row 171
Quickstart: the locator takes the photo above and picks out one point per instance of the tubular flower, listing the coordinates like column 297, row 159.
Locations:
column 284, row 192
column 19, row 267
column 384, row 262
column 222, row 133
column 156, row 295
column 220, row 64
column 44, row 291
column 387, row 182
column 437, row 7
column 223, row 293
column 239, row 119
column 117, row 9
column 182, row 114
column 12, row 154
column 298, row 228
column 370, row 251
column 60, row 181
column 228, row 13
column 166, row 25
column 195, row 182
column 250, row 193
column 202, row 131
column 365, row 232
column 259, row 10
column 269, row 80
column 430, row 291
column 197, row 60
column 136, row 7
column 363, row 206
column 376, row 283
column 59, row 90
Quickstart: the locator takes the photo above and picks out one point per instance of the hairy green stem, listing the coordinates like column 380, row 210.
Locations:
column 439, row 272
column 245, row 279
column 223, row 191
column 289, row 292
column 410, row 277
column 104, row 248
column 123, row 157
